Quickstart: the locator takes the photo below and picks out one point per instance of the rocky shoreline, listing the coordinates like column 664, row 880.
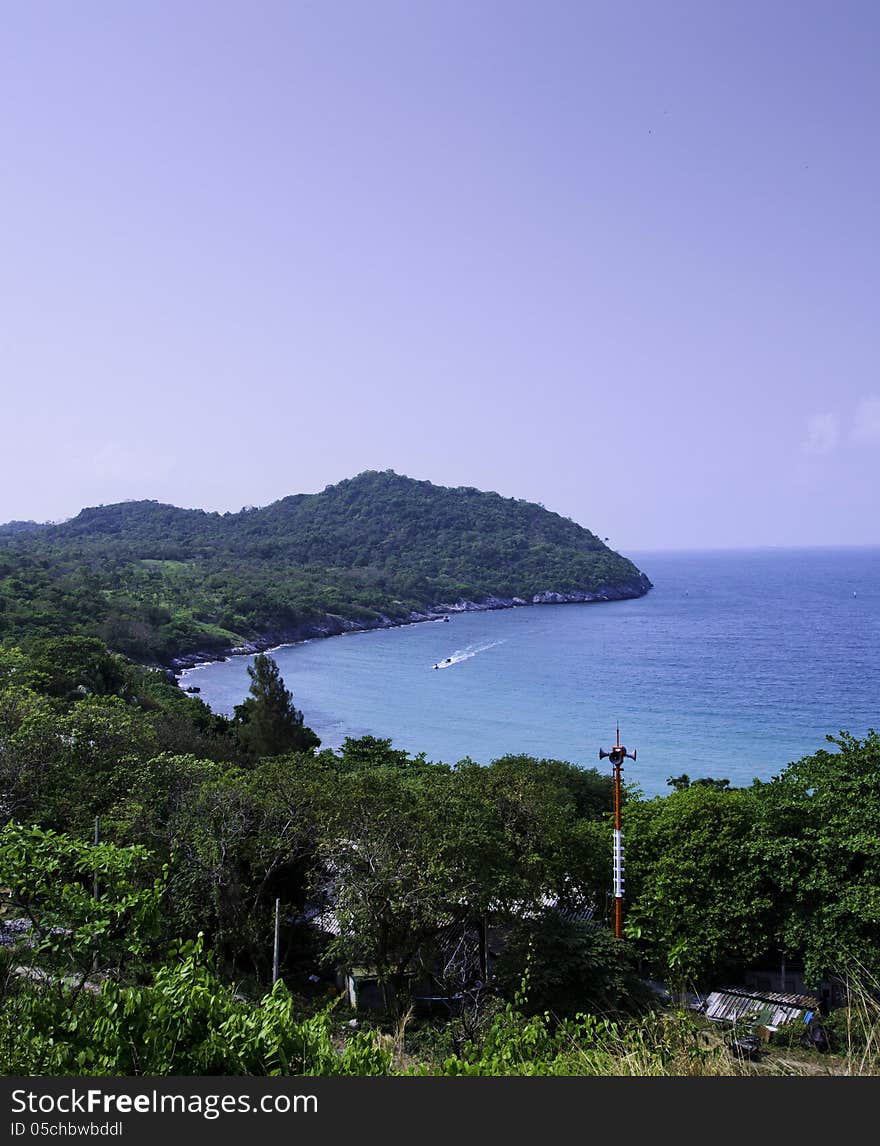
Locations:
column 335, row 626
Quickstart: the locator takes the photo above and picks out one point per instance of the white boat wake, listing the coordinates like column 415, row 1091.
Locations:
column 465, row 654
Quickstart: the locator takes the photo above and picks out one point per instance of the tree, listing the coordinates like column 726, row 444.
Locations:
column 571, row 967
column 697, row 890
column 50, row 880
column 63, row 769
column 186, row 1021
column 817, row 840
column 410, row 857
column 267, row 721
column 683, row 782
column 415, row 858
column 371, row 752
column 72, row 667
column 551, row 817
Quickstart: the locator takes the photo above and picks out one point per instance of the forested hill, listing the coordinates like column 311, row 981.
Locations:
column 157, row 582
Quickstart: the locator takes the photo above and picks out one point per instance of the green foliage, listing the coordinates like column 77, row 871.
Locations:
column 373, row 752
column 230, row 849
column 698, row 897
column 267, row 722
column 682, row 782
column 791, row 1035
column 817, row 839
column 63, row 768
column 410, row 855
column 70, row 751
column 186, row 1022
column 573, row 967
column 588, row 1045
column 551, row 814
column 854, row 1030
column 152, row 581
column 73, row 667
column 49, row 880
column 416, row 862
column 718, row 877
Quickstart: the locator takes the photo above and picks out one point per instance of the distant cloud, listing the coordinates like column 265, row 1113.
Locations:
column 866, row 424
column 823, row 434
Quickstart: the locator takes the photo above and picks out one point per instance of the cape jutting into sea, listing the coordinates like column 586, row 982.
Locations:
column 733, row 665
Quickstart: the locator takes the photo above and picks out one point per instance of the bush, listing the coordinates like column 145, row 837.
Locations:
column 792, row 1034
column 850, row 1030
column 185, row 1023
column 573, row 967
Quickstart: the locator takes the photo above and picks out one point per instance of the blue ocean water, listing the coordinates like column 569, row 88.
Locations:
column 734, row 664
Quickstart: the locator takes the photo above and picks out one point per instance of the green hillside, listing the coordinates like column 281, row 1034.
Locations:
column 158, row 583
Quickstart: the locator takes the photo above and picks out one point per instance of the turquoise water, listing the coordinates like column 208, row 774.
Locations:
column 733, row 665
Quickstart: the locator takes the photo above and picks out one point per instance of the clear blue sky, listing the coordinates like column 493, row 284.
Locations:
column 619, row 258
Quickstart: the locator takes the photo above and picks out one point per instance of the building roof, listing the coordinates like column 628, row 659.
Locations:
column 766, row 1008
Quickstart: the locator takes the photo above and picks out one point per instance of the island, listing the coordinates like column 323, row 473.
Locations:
column 174, row 587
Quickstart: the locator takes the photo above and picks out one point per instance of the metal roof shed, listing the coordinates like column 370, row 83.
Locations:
column 766, row 1008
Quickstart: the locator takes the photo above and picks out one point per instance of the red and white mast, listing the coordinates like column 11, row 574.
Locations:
column 617, row 755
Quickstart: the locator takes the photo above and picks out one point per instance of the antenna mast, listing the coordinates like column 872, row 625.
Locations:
column 617, row 755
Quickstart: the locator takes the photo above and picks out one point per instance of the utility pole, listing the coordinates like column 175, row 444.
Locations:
column 276, row 947
column 617, row 754
column 97, row 839
column 95, row 893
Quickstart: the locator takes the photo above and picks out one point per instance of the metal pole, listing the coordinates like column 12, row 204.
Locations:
column 95, row 894
column 617, row 755
column 277, row 941
column 95, row 881
column 618, row 854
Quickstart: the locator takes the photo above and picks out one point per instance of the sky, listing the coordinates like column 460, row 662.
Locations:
column 620, row 258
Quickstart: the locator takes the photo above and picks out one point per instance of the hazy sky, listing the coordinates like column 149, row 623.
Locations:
column 619, row 258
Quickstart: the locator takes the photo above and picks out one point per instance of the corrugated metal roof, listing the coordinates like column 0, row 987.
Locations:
column 766, row 1008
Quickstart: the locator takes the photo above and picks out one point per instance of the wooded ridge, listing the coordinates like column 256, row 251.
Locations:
column 165, row 585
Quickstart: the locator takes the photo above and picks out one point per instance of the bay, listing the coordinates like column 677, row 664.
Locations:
column 735, row 663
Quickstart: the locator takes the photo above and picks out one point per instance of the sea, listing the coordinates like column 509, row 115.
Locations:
column 735, row 664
